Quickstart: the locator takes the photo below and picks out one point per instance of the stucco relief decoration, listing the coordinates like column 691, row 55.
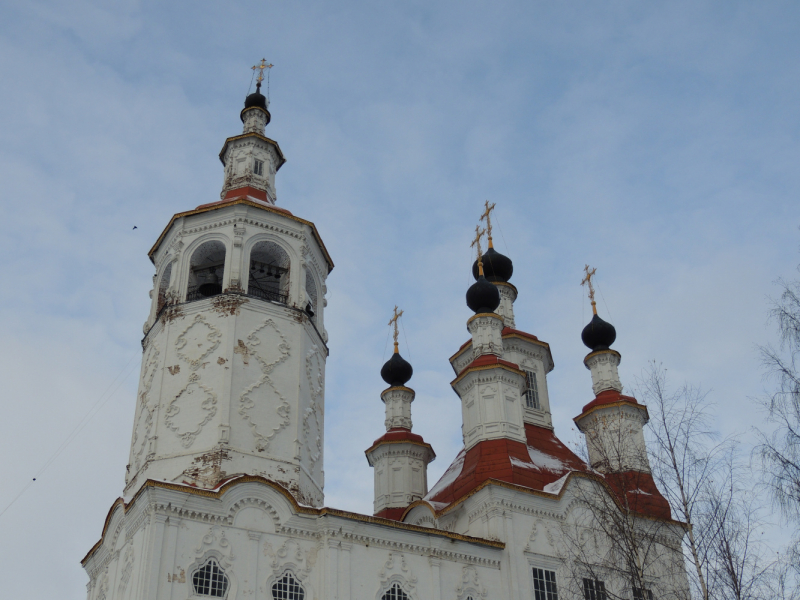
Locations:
column 470, row 586
column 539, row 528
column 191, row 410
column 102, row 586
column 144, row 421
column 215, row 540
column 127, row 561
column 313, row 414
column 291, row 555
column 197, row 342
column 269, row 347
column 396, row 570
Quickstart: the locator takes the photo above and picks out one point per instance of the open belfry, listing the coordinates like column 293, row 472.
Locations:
column 224, row 490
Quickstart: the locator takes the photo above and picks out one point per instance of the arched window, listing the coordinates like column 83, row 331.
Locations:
column 163, row 284
column 288, row 588
column 311, row 290
column 206, row 270
column 395, row 593
column 210, row 580
column 269, row 273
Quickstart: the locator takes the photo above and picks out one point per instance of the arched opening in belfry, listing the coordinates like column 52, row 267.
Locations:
column 206, row 270
column 311, row 291
column 269, row 273
column 163, row 286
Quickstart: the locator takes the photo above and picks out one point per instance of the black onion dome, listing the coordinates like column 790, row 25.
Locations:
column 598, row 335
column 256, row 99
column 482, row 296
column 496, row 266
column 397, row 370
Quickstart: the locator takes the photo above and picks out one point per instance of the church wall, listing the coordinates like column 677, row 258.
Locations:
column 255, row 536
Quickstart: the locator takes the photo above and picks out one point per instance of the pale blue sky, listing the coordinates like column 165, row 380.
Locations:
column 657, row 141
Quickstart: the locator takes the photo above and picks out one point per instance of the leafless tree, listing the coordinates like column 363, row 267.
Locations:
column 685, row 455
column 612, row 546
column 779, row 449
column 710, row 489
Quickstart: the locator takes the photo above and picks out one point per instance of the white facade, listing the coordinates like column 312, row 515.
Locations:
column 224, row 490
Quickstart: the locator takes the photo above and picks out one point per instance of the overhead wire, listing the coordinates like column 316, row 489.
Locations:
column 95, row 408
column 405, row 337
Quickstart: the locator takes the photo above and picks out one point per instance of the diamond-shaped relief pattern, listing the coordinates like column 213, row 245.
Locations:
column 197, row 342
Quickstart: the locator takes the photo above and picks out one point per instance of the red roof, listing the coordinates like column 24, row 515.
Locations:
column 395, row 514
column 399, row 434
column 543, row 460
column 509, row 331
column 247, row 192
column 488, row 360
column 540, row 462
column 609, row 397
column 638, row 492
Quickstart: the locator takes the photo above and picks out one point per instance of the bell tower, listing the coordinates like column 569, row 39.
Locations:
column 234, row 349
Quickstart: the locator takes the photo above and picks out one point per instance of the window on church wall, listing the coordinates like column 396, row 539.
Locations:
column 544, row 585
column 288, row 588
column 206, row 270
column 594, row 589
column 532, row 390
column 395, row 593
column 163, row 285
column 258, row 167
column 642, row 594
column 269, row 273
column 210, row 580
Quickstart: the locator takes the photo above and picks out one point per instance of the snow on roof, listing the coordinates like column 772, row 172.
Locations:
column 555, row 487
column 449, row 476
column 544, row 461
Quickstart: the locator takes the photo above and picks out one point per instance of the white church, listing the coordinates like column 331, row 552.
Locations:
column 224, row 494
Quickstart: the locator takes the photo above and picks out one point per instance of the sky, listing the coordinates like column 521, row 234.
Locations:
column 658, row 142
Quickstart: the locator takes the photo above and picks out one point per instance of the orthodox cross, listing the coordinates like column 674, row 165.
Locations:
column 393, row 321
column 477, row 242
column 260, row 69
column 587, row 280
column 487, row 215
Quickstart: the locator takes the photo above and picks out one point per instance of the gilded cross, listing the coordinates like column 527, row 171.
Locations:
column 477, row 242
column 393, row 321
column 587, row 280
column 487, row 214
column 260, row 68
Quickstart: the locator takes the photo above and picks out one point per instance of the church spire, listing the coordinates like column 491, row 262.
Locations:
column 406, row 452
column 252, row 159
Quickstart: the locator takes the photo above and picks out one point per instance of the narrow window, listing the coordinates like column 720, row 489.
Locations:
column 288, row 588
column 269, row 273
column 258, row 167
column 210, row 580
column 594, row 589
column 642, row 594
column 395, row 593
column 206, row 270
column 544, row 585
column 311, row 290
column 163, row 285
column 532, row 391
